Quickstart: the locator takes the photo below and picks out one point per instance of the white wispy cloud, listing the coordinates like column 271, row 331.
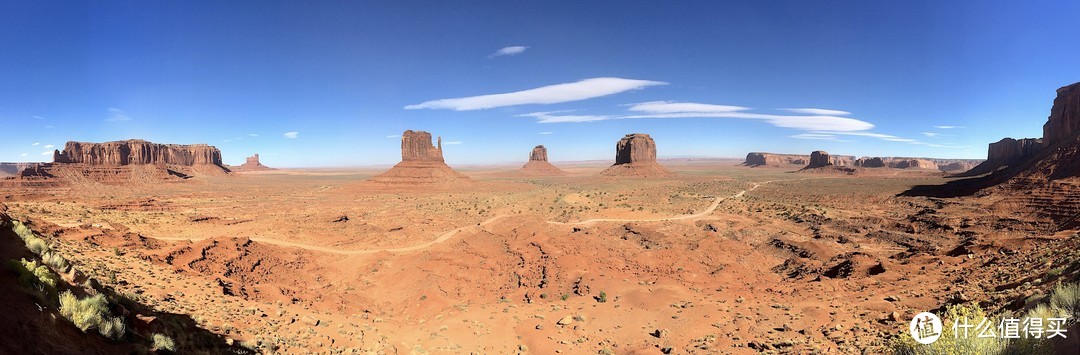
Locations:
column 36, row 143
column 394, row 136
column 452, row 142
column 551, row 94
column 511, row 50
column 817, row 136
column 227, row 140
column 253, row 134
column 117, row 115
column 544, row 133
column 39, row 117
column 948, row 127
column 49, row 146
column 47, row 153
column 22, row 155
column 291, row 135
column 935, row 135
column 817, row 111
column 553, row 117
column 667, row 109
column 49, row 126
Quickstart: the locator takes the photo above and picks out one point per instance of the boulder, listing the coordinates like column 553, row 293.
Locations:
column 818, row 159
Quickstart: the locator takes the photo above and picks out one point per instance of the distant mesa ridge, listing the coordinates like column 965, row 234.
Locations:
column 635, row 155
column 137, row 152
column 755, row 159
column 416, row 146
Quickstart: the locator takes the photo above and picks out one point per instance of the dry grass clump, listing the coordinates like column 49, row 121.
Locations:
column 91, row 312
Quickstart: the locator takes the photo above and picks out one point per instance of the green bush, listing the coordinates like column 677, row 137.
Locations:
column 1066, row 297
column 91, row 312
column 163, row 342
column 33, row 242
column 31, row 273
column 57, row 261
column 949, row 343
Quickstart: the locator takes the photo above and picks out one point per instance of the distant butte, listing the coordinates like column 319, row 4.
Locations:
column 252, row 164
column 538, row 163
column 421, row 163
column 635, row 155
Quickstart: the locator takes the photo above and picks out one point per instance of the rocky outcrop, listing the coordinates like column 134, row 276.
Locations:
column 818, row 159
column 635, row 148
column 1012, row 149
column 791, row 160
column 421, row 164
column 957, row 166
column 1064, row 117
column 416, row 146
column 137, row 152
column 251, row 164
column 538, row 163
column 635, row 155
column 870, row 162
column 903, row 163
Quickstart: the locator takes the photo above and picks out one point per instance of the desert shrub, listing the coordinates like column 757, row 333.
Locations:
column 57, row 261
column 949, row 343
column 91, row 312
column 32, row 241
column 31, row 273
column 1066, row 297
column 602, row 298
column 163, row 342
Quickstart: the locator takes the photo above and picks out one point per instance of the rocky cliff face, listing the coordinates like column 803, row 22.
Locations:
column 539, row 153
column 1012, row 149
column 137, row 152
column 819, row 158
column 635, row 148
column 1064, row 115
column 868, row 162
column 416, row 146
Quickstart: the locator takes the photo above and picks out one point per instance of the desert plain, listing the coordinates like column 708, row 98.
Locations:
column 717, row 258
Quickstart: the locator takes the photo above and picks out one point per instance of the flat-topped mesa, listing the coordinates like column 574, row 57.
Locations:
column 1064, row 117
column 539, row 153
column 818, row 159
column 137, row 152
column 416, row 146
column 635, row 155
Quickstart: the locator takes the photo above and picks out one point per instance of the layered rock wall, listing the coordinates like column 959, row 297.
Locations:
column 137, row 152
column 635, row 148
column 1064, row 115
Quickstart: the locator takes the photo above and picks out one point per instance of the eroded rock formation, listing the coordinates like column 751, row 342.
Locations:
column 1064, row 115
column 635, row 155
column 416, row 146
column 538, row 163
column 819, row 158
column 252, row 163
column 421, row 163
column 791, row 160
column 137, row 152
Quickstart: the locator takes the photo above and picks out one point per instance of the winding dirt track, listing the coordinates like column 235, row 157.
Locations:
column 450, row 234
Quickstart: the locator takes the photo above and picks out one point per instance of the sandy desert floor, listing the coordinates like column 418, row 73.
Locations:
column 721, row 258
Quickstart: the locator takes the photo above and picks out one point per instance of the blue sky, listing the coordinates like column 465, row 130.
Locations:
column 332, row 83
